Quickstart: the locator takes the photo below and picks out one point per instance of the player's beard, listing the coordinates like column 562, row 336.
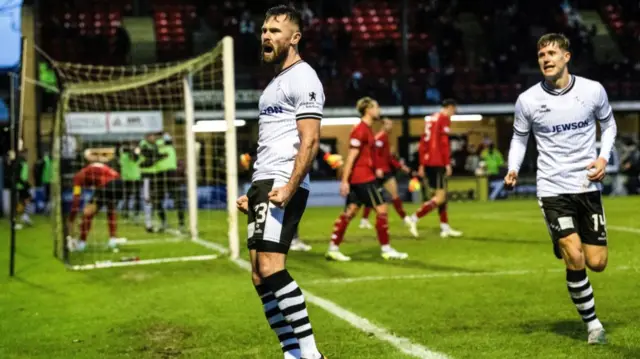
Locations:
column 278, row 55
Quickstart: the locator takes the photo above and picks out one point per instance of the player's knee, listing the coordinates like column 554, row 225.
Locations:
column 255, row 277
column 571, row 249
column 597, row 263
column 381, row 209
column 269, row 264
column 88, row 210
column 440, row 197
column 351, row 211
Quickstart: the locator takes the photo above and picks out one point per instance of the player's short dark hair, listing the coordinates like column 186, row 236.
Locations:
column 291, row 13
column 554, row 38
column 449, row 102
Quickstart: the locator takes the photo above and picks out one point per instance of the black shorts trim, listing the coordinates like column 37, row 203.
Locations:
column 110, row 194
column 386, row 177
column 269, row 228
column 368, row 194
column 580, row 213
column 434, row 179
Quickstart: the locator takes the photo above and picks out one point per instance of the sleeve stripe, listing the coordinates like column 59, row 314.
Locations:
column 520, row 133
column 309, row 114
column 607, row 117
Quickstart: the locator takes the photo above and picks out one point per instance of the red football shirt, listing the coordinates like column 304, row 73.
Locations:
column 434, row 144
column 362, row 138
column 383, row 157
column 95, row 175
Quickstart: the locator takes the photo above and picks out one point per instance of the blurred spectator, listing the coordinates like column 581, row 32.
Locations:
column 307, row 14
column 630, row 166
column 432, row 94
column 47, row 76
column 355, row 89
column 247, row 25
column 459, row 155
column 122, row 49
column 249, row 44
column 493, row 160
column 473, row 159
column 434, row 58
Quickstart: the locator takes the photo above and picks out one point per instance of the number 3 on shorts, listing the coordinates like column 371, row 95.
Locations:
column 261, row 212
column 598, row 221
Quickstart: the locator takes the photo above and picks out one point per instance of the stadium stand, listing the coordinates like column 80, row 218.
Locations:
column 356, row 51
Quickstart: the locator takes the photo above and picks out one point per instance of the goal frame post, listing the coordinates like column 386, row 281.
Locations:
column 231, row 151
column 189, row 68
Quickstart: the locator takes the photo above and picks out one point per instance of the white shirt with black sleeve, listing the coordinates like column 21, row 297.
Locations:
column 563, row 123
column 295, row 93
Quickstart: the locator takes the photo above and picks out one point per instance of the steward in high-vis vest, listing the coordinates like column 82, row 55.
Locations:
column 152, row 191
column 172, row 182
column 132, row 178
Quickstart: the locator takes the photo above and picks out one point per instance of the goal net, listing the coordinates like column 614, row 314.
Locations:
column 175, row 196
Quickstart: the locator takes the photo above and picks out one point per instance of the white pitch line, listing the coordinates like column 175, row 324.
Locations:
column 404, row 345
column 624, row 229
column 420, row 276
column 444, row 275
column 509, row 218
column 211, row 245
column 111, row 264
column 137, row 242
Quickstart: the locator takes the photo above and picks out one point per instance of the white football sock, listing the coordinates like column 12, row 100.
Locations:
column 148, row 208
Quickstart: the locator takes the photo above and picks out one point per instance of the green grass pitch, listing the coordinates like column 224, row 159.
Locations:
column 496, row 293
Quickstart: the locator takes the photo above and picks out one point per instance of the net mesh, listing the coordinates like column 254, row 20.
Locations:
column 132, row 119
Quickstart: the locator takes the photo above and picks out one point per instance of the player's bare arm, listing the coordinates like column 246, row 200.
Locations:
column 609, row 131
column 518, row 147
column 243, row 204
column 309, row 130
column 346, row 170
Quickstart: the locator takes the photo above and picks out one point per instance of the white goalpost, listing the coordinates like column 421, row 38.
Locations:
column 232, row 153
column 116, row 111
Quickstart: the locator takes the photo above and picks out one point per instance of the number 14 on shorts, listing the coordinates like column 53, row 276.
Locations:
column 598, row 223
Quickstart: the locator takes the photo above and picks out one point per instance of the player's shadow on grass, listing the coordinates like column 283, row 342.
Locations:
column 575, row 330
column 39, row 287
column 373, row 256
column 316, row 263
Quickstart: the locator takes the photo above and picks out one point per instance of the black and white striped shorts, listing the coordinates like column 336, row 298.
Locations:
column 270, row 228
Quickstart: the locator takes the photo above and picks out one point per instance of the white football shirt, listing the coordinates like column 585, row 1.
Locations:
column 295, row 93
column 563, row 123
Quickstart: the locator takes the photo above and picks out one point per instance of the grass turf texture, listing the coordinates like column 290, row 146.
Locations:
column 444, row 297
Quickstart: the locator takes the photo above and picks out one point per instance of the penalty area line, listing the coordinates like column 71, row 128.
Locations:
column 138, row 242
column 115, row 264
column 447, row 275
column 404, row 345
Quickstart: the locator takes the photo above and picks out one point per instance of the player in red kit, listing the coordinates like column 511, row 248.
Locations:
column 387, row 164
column 108, row 189
column 359, row 184
column 435, row 166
